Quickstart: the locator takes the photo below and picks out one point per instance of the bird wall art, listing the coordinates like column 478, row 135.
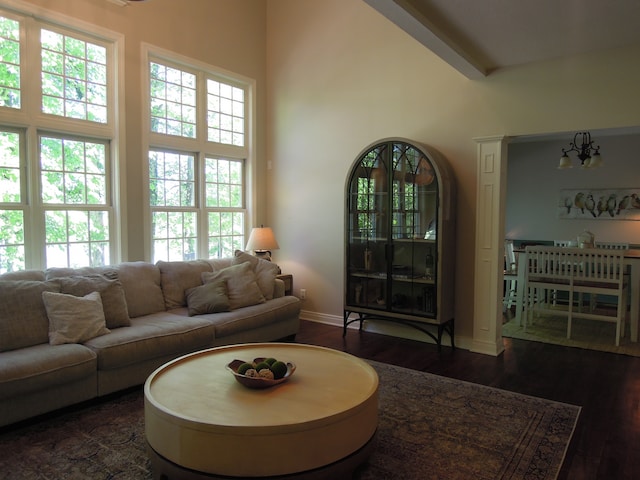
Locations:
column 600, row 204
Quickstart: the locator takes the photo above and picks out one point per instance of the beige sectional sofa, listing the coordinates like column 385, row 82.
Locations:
column 145, row 315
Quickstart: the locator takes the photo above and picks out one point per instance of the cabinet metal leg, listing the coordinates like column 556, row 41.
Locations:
column 447, row 327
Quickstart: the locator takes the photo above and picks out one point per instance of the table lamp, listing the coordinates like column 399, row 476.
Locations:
column 262, row 241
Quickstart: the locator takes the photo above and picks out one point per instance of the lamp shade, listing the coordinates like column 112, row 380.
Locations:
column 565, row 162
column 262, row 239
column 596, row 160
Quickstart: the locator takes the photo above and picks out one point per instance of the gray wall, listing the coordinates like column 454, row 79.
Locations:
column 534, row 185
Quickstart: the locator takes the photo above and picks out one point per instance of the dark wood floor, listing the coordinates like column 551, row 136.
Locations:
column 606, row 443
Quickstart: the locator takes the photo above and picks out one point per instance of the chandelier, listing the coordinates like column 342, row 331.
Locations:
column 587, row 153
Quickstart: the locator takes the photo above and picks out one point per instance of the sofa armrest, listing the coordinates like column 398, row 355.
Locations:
column 278, row 288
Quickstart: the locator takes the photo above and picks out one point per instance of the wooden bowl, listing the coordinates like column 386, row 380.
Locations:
column 258, row 382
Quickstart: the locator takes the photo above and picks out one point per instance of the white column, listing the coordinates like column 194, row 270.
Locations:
column 488, row 281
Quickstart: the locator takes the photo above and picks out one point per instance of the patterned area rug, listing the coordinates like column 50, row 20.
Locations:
column 587, row 334
column 430, row 427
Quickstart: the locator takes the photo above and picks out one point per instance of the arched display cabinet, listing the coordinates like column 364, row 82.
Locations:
column 400, row 238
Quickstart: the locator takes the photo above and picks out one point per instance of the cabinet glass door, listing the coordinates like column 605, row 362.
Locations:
column 368, row 231
column 413, row 233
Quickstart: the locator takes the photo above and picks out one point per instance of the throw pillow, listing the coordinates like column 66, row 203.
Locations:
column 241, row 285
column 74, row 319
column 23, row 318
column 266, row 271
column 208, row 298
column 114, row 303
column 178, row 277
column 141, row 283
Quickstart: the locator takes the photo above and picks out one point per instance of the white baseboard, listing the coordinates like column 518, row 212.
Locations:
column 386, row 328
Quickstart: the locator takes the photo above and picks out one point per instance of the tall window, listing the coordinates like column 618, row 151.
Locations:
column 173, row 200
column 74, row 193
column 197, row 155
column 10, row 95
column 56, row 185
column 12, row 245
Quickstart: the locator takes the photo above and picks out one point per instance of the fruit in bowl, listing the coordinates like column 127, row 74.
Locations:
column 261, row 372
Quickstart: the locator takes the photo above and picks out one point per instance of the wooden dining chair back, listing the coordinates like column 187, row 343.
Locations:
column 609, row 246
column 510, row 277
column 578, row 271
column 566, row 244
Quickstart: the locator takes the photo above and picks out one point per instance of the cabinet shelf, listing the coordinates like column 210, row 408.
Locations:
column 398, row 193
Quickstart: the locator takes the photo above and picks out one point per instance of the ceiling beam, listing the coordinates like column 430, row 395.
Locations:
column 405, row 15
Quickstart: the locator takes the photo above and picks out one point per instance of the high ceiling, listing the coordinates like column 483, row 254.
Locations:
column 479, row 36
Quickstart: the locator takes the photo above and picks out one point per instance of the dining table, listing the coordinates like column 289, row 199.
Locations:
column 632, row 266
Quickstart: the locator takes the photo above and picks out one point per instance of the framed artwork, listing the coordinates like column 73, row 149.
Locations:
column 600, row 204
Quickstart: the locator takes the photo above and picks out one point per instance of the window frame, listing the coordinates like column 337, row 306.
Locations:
column 200, row 146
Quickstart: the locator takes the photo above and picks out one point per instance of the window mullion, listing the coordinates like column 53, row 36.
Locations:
column 35, row 231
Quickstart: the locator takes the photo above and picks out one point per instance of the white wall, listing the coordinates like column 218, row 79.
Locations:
column 534, row 185
column 341, row 76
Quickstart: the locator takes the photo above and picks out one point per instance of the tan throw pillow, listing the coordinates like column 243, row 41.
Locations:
column 23, row 318
column 266, row 271
column 241, row 285
column 178, row 277
column 114, row 303
column 74, row 319
column 208, row 298
column 141, row 283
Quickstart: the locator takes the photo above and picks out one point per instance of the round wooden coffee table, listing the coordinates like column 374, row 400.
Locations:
column 201, row 423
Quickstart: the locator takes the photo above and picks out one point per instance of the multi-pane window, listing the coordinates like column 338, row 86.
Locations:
column 225, row 113
column 197, row 184
column 173, row 101
column 12, row 253
column 56, row 184
column 10, row 95
column 172, row 198
column 74, row 77
column 74, row 193
column 224, row 193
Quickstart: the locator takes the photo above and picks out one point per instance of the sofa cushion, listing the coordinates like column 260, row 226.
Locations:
column 177, row 277
column 251, row 317
column 114, row 303
column 74, row 319
column 208, row 298
column 23, row 318
column 39, row 367
column 266, row 271
column 241, row 285
column 37, row 275
column 141, row 283
column 151, row 336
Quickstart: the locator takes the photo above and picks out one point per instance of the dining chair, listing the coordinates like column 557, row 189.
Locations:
column 578, row 271
column 510, row 277
column 565, row 244
column 593, row 302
